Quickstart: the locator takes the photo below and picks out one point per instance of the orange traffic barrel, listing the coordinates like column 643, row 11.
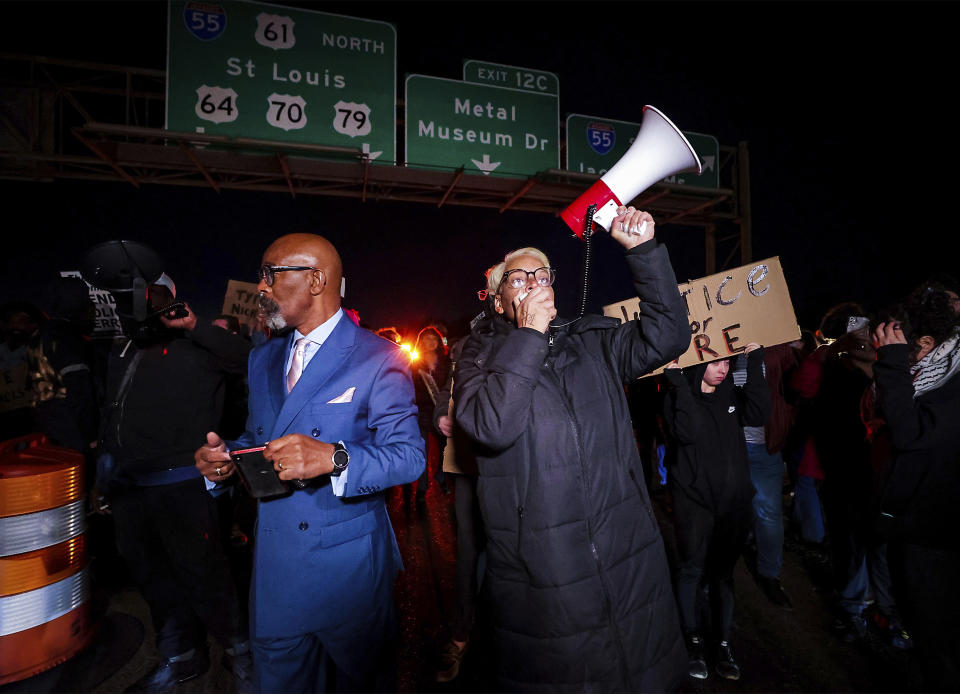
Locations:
column 44, row 577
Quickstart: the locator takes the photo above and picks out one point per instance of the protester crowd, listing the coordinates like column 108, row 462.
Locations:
column 555, row 434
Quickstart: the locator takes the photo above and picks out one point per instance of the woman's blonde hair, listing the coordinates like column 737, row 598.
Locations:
column 495, row 273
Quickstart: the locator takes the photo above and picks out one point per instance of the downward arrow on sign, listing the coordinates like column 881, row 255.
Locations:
column 486, row 165
column 370, row 155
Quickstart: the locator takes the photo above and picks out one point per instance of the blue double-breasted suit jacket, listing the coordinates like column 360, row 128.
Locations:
column 326, row 564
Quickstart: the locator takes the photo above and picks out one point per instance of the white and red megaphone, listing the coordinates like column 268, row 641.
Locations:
column 660, row 150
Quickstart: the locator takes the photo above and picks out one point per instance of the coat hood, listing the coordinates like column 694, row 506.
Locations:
column 695, row 374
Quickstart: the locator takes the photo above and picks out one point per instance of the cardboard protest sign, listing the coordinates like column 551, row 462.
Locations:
column 241, row 301
column 729, row 310
column 14, row 388
column 107, row 321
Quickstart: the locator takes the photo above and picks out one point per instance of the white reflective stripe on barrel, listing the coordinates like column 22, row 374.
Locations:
column 35, row 607
column 32, row 531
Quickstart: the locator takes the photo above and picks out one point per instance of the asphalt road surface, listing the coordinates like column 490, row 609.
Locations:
column 779, row 650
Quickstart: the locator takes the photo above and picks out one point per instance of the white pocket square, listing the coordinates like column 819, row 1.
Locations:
column 346, row 397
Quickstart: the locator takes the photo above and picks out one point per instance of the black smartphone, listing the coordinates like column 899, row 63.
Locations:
column 257, row 473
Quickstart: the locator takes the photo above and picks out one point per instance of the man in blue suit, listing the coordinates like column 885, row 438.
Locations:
column 334, row 405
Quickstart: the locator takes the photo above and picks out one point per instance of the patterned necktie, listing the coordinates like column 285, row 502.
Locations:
column 296, row 364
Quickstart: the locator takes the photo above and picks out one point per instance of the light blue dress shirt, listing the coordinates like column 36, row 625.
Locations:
column 316, row 337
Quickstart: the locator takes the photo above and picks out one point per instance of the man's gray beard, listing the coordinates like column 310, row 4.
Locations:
column 272, row 314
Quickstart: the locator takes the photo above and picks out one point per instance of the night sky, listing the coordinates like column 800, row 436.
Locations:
column 843, row 107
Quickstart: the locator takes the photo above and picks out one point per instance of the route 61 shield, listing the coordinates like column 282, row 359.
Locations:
column 275, row 31
column 601, row 137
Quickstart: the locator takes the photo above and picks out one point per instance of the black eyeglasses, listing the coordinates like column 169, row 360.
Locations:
column 267, row 272
column 518, row 278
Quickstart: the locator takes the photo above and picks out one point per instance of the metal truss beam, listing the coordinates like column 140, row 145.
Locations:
column 122, row 149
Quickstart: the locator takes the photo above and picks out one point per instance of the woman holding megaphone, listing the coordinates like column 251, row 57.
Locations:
column 577, row 577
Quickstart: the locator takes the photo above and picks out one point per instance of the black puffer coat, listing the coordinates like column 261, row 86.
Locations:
column 577, row 575
column 920, row 495
column 709, row 460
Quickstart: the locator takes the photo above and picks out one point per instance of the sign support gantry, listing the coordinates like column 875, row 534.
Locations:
column 69, row 120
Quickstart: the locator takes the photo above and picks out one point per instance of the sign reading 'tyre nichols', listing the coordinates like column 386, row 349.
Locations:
column 241, row 301
column 729, row 310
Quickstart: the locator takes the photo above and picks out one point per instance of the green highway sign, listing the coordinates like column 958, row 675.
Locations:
column 246, row 69
column 485, row 129
column 498, row 75
column 596, row 144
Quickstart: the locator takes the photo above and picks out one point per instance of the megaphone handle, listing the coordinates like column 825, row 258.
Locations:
column 604, row 216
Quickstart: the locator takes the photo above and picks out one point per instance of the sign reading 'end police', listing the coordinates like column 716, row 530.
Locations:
column 484, row 129
column 245, row 69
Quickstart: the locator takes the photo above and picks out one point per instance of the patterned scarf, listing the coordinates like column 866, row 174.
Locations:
column 938, row 367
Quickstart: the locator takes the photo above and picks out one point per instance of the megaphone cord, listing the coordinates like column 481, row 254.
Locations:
column 587, row 236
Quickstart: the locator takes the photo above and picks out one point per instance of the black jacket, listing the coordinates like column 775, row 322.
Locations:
column 709, row 460
column 425, row 403
column 61, row 369
column 921, row 495
column 175, row 397
column 465, row 458
column 577, row 575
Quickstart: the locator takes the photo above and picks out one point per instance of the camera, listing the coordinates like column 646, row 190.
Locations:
column 133, row 274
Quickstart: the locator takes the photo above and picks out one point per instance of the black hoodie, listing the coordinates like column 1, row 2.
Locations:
column 175, row 397
column 709, row 457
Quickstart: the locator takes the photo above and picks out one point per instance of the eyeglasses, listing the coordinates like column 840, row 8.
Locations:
column 517, row 279
column 267, row 272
